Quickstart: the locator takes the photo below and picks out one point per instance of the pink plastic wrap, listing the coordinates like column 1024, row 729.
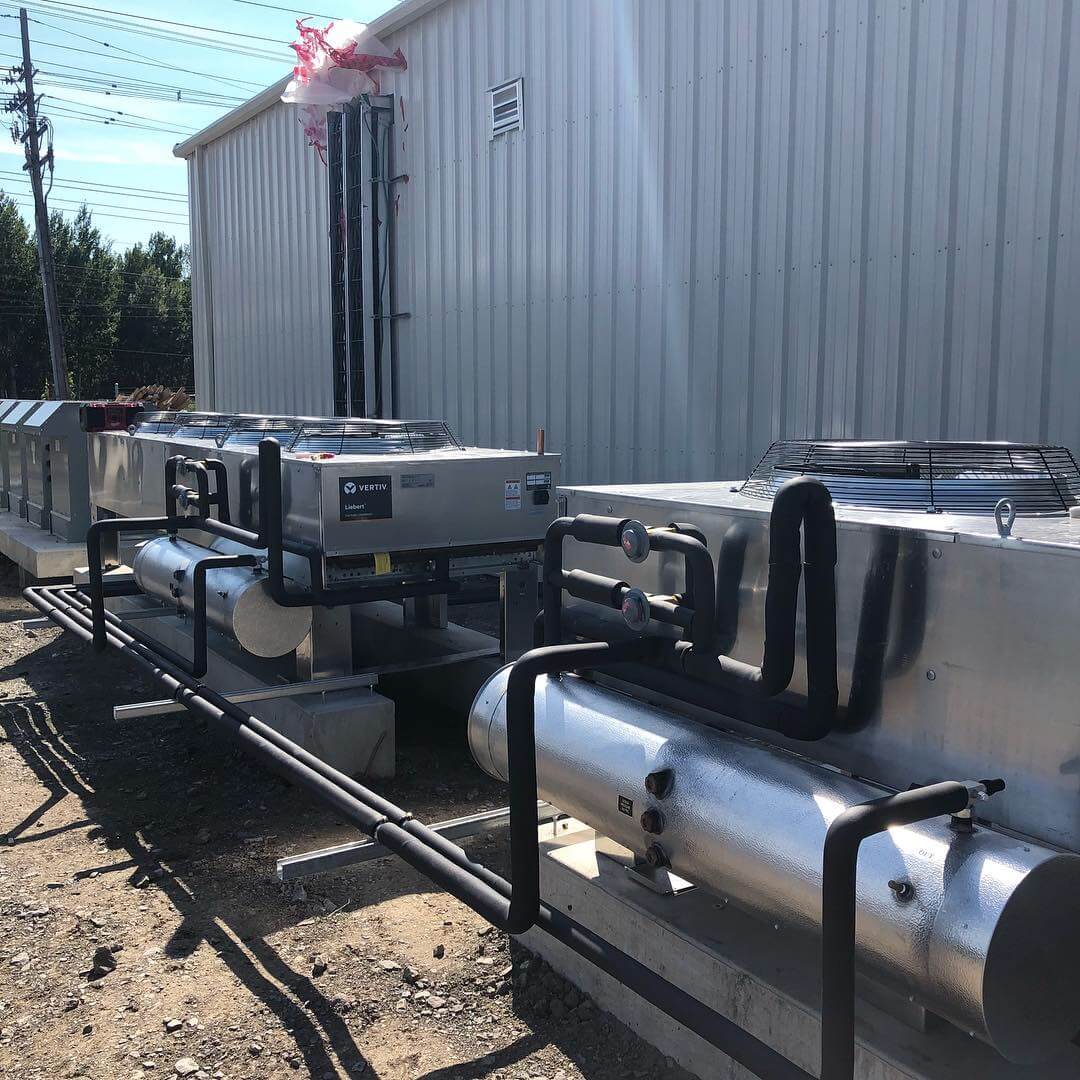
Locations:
column 333, row 66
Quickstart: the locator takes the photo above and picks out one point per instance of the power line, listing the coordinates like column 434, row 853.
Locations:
column 288, row 11
column 111, row 121
column 65, row 5
column 166, row 35
column 140, row 63
column 149, row 221
column 145, row 193
column 102, row 108
column 112, row 78
column 158, row 61
column 155, row 213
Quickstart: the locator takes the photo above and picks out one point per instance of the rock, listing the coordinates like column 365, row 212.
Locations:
column 186, row 1067
column 318, row 967
column 19, row 959
column 439, row 952
column 255, row 1049
column 436, row 1002
column 409, row 975
column 202, row 836
column 173, row 1024
column 104, row 963
column 389, row 965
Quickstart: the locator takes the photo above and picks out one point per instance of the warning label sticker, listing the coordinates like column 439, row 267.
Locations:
column 512, row 495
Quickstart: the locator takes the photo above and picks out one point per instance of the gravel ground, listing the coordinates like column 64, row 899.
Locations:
column 143, row 934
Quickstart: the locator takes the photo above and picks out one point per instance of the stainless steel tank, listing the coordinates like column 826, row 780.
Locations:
column 238, row 600
column 986, row 938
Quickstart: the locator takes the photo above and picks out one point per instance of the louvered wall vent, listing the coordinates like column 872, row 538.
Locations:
column 506, row 107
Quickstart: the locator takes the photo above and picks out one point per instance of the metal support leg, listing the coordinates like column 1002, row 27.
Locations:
column 429, row 611
column 327, row 650
column 518, row 605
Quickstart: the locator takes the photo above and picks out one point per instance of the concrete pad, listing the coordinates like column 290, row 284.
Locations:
column 351, row 730
column 767, row 981
column 39, row 554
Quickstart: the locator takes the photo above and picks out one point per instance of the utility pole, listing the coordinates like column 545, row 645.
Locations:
column 41, row 222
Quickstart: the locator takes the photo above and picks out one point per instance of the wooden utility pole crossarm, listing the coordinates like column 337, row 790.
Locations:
column 41, row 222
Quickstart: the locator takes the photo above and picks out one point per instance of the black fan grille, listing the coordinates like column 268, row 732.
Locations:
column 201, row 425
column 157, row 423
column 250, row 430
column 352, row 436
column 936, row 477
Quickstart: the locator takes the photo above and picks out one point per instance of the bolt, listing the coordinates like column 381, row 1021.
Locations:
column 931, row 675
column 652, row 821
column 904, row 890
column 659, row 783
column 656, row 857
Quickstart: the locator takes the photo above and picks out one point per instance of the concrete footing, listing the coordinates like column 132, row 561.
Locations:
column 351, row 730
column 766, row 980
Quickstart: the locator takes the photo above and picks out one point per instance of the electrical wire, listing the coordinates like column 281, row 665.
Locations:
column 68, row 5
column 288, row 11
column 118, row 112
column 173, row 37
column 127, row 52
column 141, row 63
column 174, row 216
column 99, row 189
column 125, row 217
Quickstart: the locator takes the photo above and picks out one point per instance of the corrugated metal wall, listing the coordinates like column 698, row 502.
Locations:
column 261, row 270
column 730, row 221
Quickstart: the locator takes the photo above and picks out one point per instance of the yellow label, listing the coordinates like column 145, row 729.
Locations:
column 382, row 563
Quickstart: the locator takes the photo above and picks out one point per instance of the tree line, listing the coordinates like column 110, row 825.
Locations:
column 126, row 316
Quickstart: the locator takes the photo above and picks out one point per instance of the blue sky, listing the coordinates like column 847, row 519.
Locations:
column 81, row 46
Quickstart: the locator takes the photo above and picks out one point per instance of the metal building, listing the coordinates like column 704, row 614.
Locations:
column 707, row 224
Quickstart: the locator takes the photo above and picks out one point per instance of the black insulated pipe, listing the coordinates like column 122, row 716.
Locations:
column 442, row 861
column 839, row 865
column 521, row 754
column 801, row 504
column 695, row 612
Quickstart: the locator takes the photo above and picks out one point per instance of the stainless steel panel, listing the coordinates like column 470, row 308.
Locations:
column 37, row 498
column 985, row 940
column 444, row 499
column 964, row 643
column 451, row 499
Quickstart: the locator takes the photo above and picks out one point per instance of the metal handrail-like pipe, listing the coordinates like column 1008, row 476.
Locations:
column 839, row 863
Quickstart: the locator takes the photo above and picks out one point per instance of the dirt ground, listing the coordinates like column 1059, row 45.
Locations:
column 143, row 933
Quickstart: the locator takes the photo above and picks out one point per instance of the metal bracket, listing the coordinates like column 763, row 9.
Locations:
column 327, row 860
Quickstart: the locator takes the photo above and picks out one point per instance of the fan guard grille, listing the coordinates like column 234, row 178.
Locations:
column 933, row 477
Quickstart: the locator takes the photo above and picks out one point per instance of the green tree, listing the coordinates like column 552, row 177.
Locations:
column 23, row 365
column 154, row 338
column 126, row 318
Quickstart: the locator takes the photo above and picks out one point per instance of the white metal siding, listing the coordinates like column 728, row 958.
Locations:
column 260, row 270
column 729, row 221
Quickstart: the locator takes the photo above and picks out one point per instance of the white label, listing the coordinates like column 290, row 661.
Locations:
column 512, row 495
